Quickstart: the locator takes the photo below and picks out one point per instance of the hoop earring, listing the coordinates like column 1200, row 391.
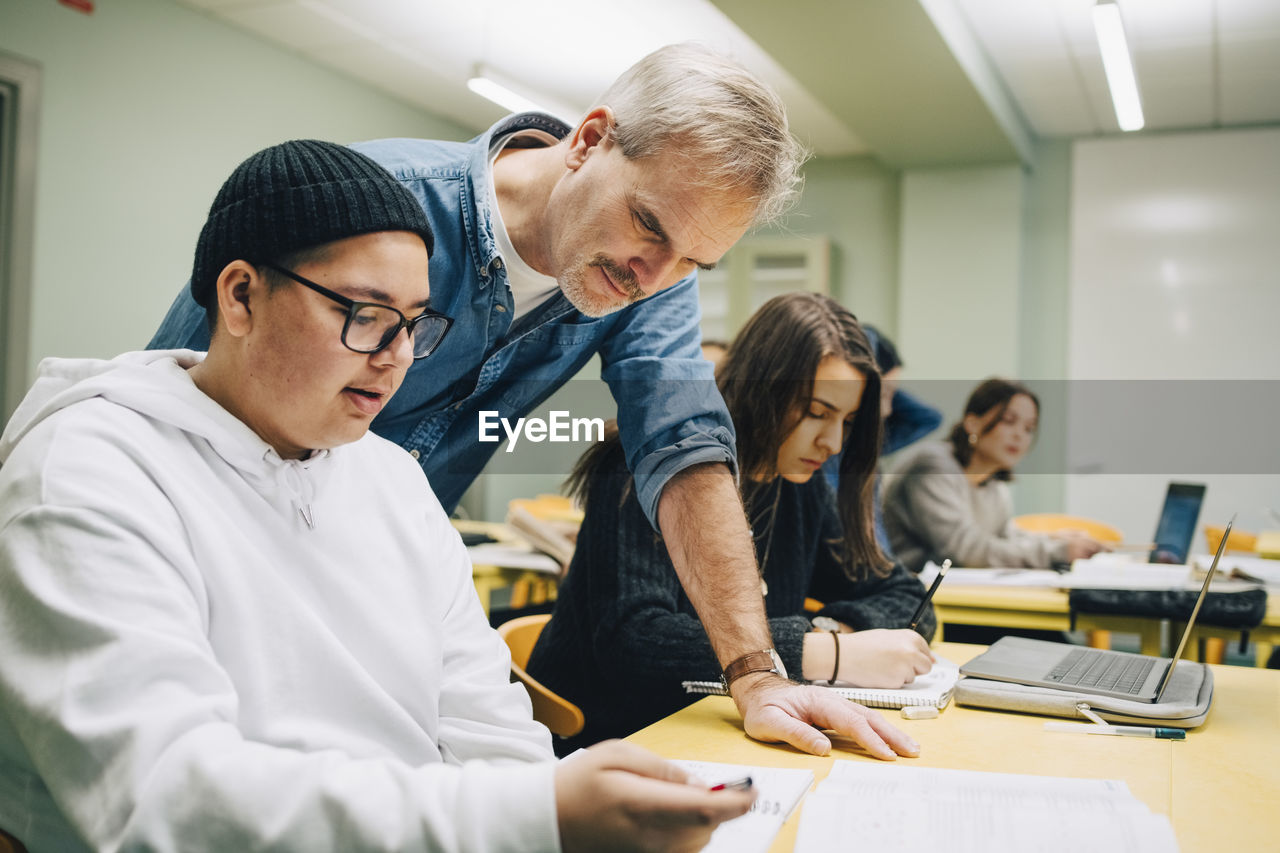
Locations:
column 973, row 439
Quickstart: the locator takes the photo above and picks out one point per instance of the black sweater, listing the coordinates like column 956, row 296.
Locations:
column 624, row 635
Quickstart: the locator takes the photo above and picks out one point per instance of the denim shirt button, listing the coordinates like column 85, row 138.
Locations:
column 501, row 309
column 414, row 453
column 497, row 263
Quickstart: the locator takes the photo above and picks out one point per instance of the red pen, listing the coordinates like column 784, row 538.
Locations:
column 743, row 784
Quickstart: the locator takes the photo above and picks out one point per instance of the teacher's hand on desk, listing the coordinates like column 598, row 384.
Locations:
column 618, row 796
column 774, row 709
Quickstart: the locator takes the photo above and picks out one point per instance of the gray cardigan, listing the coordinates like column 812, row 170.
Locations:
column 932, row 512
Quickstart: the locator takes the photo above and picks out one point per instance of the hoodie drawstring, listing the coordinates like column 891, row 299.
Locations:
column 292, row 478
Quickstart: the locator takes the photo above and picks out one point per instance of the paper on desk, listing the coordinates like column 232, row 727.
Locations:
column 508, row 556
column 1267, row 571
column 991, row 577
column 1114, row 574
column 778, row 790
column 1088, row 574
column 1103, row 574
column 888, row 807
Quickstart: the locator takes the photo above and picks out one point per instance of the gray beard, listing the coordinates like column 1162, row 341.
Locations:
column 582, row 298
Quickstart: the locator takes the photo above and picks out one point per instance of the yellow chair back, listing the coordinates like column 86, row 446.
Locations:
column 1052, row 522
column 549, row 708
column 1239, row 540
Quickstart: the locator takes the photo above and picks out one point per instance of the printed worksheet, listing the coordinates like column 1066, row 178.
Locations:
column 923, row 809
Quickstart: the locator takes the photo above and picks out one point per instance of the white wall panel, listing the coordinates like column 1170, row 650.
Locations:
column 959, row 272
column 1175, row 280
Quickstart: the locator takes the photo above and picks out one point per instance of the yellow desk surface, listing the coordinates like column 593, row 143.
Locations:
column 1047, row 609
column 1220, row 787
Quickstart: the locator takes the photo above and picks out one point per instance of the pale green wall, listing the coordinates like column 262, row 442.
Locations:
column 965, row 267
column 1042, row 310
column 959, row 273
column 854, row 201
column 967, row 213
column 1042, row 321
column 147, row 107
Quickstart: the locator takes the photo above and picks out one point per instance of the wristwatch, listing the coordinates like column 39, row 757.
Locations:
column 766, row 660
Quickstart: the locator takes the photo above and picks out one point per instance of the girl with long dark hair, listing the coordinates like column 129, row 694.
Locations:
column 801, row 385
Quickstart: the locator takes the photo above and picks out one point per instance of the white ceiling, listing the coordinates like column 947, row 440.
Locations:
column 1199, row 63
column 423, row 51
column 914, row 82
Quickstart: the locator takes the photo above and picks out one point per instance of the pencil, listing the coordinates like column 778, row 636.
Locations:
column 924, row 605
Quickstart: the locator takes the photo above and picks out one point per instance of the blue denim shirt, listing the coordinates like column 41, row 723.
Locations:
column 670, row 414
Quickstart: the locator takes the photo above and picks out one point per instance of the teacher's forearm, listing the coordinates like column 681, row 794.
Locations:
column 707, row 538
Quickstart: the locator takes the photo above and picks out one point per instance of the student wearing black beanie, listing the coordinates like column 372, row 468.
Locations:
column 246, row 621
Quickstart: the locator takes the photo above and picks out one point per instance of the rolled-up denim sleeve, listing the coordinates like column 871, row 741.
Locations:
column 670, row 413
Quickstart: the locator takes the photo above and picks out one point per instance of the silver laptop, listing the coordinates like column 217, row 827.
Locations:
column 1141, row 678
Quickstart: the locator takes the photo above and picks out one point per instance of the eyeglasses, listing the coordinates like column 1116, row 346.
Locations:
column 371, row 327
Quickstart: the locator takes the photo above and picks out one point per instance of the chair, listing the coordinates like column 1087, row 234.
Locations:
column 1267, row 544
column 1239, row 540
column 555, row 712
column 1052, row 522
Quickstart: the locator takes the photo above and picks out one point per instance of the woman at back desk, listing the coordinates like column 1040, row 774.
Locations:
column 950, row 500
column 624, row 636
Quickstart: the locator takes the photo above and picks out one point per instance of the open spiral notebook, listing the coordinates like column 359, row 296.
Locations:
column 778, row 792
column 934, row 688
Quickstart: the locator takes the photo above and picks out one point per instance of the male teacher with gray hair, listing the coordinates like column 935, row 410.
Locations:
column 557, row 243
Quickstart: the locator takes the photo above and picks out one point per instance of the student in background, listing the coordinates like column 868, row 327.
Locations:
column 234, row 619
column 950, row 500
column 801, row 385
column 907, row 419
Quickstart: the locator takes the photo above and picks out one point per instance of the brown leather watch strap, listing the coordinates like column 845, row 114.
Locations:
column 761, row 661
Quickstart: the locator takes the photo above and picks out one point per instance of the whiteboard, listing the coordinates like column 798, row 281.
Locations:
column 1175, row 280
column 1175, row 257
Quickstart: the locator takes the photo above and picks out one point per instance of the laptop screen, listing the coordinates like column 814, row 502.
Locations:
column 1195, row 611
column 1177, row 525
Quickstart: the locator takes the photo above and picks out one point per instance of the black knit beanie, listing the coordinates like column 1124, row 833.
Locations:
column 294, row 196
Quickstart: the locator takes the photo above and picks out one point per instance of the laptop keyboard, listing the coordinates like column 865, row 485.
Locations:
column 1105, row 671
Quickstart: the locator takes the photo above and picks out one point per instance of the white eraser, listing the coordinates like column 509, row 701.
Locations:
column 919, row 712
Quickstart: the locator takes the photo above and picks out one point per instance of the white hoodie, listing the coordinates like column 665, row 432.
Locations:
column 206, row 647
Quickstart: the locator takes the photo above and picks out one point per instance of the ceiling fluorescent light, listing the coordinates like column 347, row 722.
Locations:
column 485, row 84
column 1118, row 64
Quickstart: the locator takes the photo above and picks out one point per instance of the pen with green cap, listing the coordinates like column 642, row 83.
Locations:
column 1123, row 731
